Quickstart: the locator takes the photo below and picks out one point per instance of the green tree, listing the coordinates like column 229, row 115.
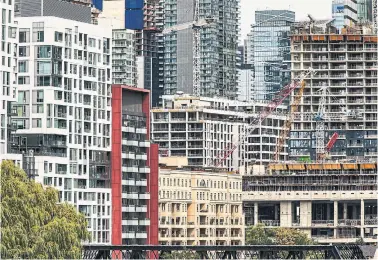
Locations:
column 261, row 235
column 33, row 223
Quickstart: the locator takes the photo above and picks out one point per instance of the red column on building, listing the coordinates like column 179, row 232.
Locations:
column 152, row 160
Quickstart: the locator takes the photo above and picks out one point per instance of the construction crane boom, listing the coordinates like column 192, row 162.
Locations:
column 287, row 125
column 276, row 101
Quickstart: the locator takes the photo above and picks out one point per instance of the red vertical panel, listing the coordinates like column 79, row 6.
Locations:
column 116, row 178
column 153, row 186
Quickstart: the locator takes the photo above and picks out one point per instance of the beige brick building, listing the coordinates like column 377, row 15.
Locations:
column 200, row 208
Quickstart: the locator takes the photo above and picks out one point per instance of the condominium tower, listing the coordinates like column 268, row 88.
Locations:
column 63, row 112
column 346, row 67
column 8, row 73
column 269, row 43
column 218, row 47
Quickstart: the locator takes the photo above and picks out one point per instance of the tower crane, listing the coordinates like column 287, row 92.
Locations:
column 287, row 125
column 255, row 122
column 196, row 25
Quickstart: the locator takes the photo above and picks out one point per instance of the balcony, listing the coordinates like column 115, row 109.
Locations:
column 130, row 222
column 144, row 144
column 144, row 169
column 128, row 234
column 144, row 222
column 349, row 222
column 141, row 157
column 142, row 183
column 130, row 142
column 128, row 129
column 270, row 223
column 128, row 209
column 129, row 182
column 141, row 208
column 322, row 222
column 131, row 196
column 141, row 234
column 128, row 155
column 130, row 169
column 145, row 196
column 141, row 131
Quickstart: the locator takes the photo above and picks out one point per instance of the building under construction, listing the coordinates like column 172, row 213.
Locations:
column 331, row 202
column 344, row 85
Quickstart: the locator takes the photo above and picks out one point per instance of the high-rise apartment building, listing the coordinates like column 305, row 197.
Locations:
column 135, row 169
column 246, row 80
column 63, row 112
column 124, row 57
column 200, row 208
column 365, row 10
column 218, row 47
column 270, row 43
column 331, row 202
column 139, row 16
column 8, row 73
column 344, row 12
column 195, row 130
column 346, row 65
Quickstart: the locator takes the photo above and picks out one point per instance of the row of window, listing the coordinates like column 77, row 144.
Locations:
column 200, row 183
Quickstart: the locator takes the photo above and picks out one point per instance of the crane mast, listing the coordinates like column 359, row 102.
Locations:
column 196, row 52
column 320, row 125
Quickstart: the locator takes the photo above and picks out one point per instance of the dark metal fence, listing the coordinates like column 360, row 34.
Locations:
column 223, row 252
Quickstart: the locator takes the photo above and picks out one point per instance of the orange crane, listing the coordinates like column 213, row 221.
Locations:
column 287, row 125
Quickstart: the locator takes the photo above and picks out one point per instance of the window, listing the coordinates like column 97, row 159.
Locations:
column 23, row 51
column 43, row 67
column 23, row 80
column 24, row 35
column 37, row 123
column 43, row 81
column 44, row 52
column 58, row 36
column 38, row 32
column 23, row 66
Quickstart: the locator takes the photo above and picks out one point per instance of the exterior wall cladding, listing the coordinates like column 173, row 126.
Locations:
column 134, row 14
column 218, row 47
column 134, row 169
column 56, row 8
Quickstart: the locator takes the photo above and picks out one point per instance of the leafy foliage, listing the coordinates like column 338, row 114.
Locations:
column 181, row 255
column 261, row 235
column 33, row 223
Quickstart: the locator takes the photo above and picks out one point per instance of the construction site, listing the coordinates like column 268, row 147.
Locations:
column 327, row 187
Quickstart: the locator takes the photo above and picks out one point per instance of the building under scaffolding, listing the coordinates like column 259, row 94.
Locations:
column 331, row 202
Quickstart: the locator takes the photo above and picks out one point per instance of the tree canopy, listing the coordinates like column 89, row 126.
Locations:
column 33, row 222
column 261, row 235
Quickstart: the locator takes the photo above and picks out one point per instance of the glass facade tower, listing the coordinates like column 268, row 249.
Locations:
column 271, row 47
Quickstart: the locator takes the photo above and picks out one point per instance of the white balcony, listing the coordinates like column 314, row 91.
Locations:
column 141, row 157
column 130, row 142
column 128, row 155
column 132, row 196
column 141, row 130
column 130, row 169
column 128, row 129
column 141, row 209
column 144, row 169
column 141, row 235
column 130, row 222
column 145, row 196
column 128, row 235
column 130, row 182
column 144, row 222
column 144, row 144
column 128, row 209
column 141, row 183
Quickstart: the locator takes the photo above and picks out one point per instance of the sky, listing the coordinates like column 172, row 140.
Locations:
column 319, row 9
